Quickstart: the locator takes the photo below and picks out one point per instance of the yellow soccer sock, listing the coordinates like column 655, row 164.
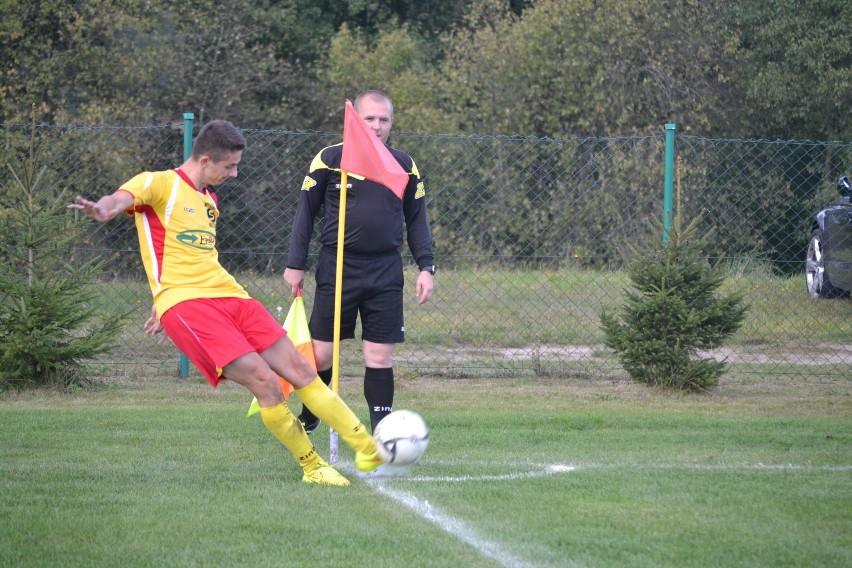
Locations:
column 330, row 408
column 286, row 428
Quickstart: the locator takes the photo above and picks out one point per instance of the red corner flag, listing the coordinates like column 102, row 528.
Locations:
column 365, row 155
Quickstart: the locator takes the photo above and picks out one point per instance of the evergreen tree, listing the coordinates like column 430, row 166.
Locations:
column 672, row 312
column 51, row 318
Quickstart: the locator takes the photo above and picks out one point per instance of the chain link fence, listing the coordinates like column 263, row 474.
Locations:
column 531, row 235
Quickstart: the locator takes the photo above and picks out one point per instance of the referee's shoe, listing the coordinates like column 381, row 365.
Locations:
column 309, row 421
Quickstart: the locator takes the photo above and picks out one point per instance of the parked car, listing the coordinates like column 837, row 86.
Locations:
column 828, row 266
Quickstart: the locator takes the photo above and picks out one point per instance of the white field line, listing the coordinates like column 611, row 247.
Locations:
column 719, row 466
column 454, row 526
column 495, row 551
column 541, row 470
column 450, row 525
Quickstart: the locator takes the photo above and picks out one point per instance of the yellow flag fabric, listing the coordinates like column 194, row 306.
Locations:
column 296, row 325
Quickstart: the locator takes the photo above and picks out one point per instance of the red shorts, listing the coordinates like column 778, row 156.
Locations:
column 212, row 332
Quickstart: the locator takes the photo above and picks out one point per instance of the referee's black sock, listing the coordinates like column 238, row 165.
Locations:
column 307, row 416
column 378, row 390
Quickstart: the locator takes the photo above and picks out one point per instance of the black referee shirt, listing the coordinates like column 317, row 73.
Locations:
column 374, row 215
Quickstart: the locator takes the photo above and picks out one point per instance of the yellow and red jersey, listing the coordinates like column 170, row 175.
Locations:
column 176, row 224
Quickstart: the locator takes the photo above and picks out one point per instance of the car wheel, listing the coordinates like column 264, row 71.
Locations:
column 816, row 279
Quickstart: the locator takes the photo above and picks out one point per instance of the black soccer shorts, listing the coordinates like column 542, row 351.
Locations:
column 372, row 289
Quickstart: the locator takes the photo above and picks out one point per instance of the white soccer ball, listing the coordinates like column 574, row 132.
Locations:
column 401, row 437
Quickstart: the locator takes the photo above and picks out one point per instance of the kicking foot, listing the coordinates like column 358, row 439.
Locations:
column 367, row 462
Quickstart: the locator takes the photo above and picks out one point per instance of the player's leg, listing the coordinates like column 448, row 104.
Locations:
column 251, row 371
column 204, row 330
column 322, row 318
column 281, row 358
column 323, row 359
column 325, row 404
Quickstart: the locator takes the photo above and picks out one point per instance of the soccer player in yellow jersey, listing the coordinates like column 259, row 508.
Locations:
column 205, row 311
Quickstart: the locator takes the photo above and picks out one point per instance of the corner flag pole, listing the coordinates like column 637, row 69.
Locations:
column 365, row 155
column 338, row 300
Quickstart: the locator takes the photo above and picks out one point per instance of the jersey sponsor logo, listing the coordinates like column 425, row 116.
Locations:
column 308, row 183
column 195, row 238
column 421, row 190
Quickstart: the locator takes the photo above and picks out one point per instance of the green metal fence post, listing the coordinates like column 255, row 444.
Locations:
column 188, row 118
column 668, row 182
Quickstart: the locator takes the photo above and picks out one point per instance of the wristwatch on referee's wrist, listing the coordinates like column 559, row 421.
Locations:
column 430, row 269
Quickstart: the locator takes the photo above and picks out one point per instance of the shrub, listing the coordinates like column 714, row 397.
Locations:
column 50, row 318
column 671, row 313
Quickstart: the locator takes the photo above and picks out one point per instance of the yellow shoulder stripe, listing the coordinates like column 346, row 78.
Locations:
column 317, row 162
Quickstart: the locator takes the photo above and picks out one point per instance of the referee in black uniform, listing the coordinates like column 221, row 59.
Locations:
column 372, row 264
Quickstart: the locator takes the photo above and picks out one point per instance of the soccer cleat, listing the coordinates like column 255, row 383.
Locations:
column 367, row 462
column 324, row 474
column 309, row 424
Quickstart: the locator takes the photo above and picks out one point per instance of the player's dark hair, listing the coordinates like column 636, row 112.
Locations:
column 217, row 139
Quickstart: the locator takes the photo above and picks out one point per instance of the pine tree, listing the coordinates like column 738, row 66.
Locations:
column 51, row 318
column 672, row 312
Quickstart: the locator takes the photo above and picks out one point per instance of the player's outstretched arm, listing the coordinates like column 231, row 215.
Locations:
column 104, row 208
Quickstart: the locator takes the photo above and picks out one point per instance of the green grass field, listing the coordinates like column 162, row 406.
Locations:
column 156, row 471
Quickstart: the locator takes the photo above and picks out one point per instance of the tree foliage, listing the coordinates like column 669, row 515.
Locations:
column 793, row 67
column 395, row 61
column 569, row 67
column 67, row 59
column 537, row 67
column 51, row 318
